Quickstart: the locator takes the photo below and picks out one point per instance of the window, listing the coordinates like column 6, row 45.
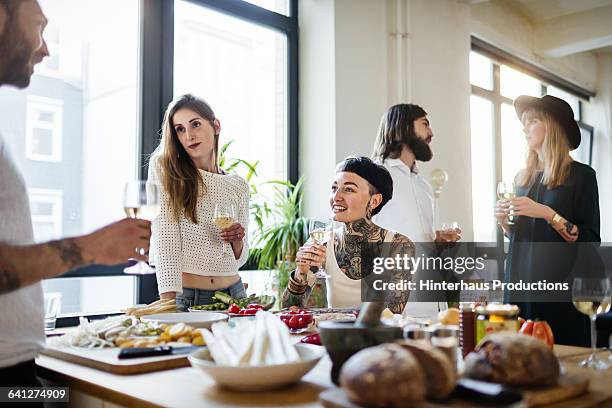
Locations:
column 46, row 210
column 211, row 52
column 74, row 131
column 498, row 147
column 44, row 129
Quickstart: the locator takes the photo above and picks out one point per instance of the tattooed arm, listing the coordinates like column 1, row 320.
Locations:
column 296, row 293
column 395, row 300
column 566, row 229
column 348, row 254
column 114, row 244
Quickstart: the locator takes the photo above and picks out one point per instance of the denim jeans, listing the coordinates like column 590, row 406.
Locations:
column 193, row 297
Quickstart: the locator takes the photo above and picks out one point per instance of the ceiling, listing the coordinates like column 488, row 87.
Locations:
column 541, row 10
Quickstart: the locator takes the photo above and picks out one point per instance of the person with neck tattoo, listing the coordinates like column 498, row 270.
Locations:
column 359, row 190
column 22, row 264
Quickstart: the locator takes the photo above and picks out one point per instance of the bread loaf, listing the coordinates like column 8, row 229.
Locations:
column 513, row 359
column 383, row 376
column 439, row 372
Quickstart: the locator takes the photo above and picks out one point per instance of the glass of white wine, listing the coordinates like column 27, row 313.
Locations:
column 141, row 200
column 506, row 191
column 320, row 233
column 592, row 297
column 224, row 217
column 448, row 230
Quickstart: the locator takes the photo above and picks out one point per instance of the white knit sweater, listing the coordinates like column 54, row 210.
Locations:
column 183, row 246
column 21, row 311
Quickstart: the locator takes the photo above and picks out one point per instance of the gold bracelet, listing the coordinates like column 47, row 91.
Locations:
column 555, row 218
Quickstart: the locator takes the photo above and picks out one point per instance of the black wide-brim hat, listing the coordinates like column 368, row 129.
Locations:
column 557, row 108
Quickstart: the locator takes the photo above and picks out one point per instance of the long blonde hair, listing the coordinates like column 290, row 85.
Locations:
column 555, row 152
column 179, row 176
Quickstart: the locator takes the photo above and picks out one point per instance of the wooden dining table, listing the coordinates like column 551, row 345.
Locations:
column 188, row 387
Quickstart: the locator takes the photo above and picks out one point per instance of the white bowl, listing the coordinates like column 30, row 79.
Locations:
column 258, row 378
column 202, row 319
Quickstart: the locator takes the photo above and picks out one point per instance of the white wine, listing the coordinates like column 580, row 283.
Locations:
column 224, row 222
column 145, row 212
column 591, row 306
column 320, row 236
column 508, row 195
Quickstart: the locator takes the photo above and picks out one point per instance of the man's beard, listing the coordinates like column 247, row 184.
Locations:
column 16, row 53
column 420, row 148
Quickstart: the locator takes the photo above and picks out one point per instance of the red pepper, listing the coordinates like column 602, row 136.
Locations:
column 234, row 308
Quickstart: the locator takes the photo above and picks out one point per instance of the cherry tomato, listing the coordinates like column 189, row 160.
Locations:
column 234, row 308
column 250, row 311
column 294, row 322
column 540, row 332
column 312, row 339
column 255, row 306
column 527, row 328
column 241, row 311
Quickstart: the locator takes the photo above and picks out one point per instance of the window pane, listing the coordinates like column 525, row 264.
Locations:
column 481, row 71
column 96, row 83
column 45, row 116
column 42, row 141
column 514, row 83
column 514, row 146
column 95, row 295
column 573, row 101
column 41, row 208
column 483, row 169
column 240, row 69
column 278, row 6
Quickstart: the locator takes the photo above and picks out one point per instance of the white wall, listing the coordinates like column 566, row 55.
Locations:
column 346, row 82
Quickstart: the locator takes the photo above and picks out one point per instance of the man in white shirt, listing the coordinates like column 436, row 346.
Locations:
column 22, row 264
column 404, row 136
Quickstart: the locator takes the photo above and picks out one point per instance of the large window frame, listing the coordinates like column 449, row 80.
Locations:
column 500, row 57
column 156, row 92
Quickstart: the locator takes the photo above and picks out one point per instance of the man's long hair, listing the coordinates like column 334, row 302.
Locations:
column 396, row 130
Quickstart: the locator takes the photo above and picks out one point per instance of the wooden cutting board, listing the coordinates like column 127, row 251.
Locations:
column 570, row 386
column 106, row 360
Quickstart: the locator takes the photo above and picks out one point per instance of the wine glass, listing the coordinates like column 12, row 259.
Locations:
column 320, row 232
column 224, row 216
column 141, row 200
column 448, row 230
column 592, row 296
column 506, row 191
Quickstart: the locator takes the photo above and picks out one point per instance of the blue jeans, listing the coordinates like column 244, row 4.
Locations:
column 193, row 297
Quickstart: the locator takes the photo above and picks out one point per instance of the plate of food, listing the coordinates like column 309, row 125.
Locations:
column 222, row 302
column 254, row 354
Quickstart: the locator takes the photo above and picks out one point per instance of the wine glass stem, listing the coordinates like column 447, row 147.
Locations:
column 593, row 338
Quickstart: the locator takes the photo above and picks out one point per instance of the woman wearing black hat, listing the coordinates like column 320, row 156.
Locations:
column 557, row 204
column 359, row 190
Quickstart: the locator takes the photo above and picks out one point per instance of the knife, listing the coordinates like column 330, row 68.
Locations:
column 137, row 352
column 487, row 391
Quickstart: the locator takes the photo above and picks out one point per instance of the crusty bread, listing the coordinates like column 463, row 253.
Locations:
column 513, row 359
column 440, row 376
column 383, row 376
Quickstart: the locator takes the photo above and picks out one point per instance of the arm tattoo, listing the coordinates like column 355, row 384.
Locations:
column 9, row 280
column 68, row 252
column 350, row 257
column 291, row 299
column 396, row 299
column 566, row 229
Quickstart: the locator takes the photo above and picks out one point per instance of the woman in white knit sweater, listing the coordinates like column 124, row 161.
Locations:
column 191, row 255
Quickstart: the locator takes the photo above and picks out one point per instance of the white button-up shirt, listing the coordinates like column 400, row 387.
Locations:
column 411, row 210
column 411, row 213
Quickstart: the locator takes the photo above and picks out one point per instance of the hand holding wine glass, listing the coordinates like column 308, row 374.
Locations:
column 224, row 217
column 320, row 232
column 592, row 297
column 505, row 192
column 141, row 200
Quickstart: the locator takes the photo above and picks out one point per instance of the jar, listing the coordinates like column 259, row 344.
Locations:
column 495, row 318
column 467, row 328
column 446, row 339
